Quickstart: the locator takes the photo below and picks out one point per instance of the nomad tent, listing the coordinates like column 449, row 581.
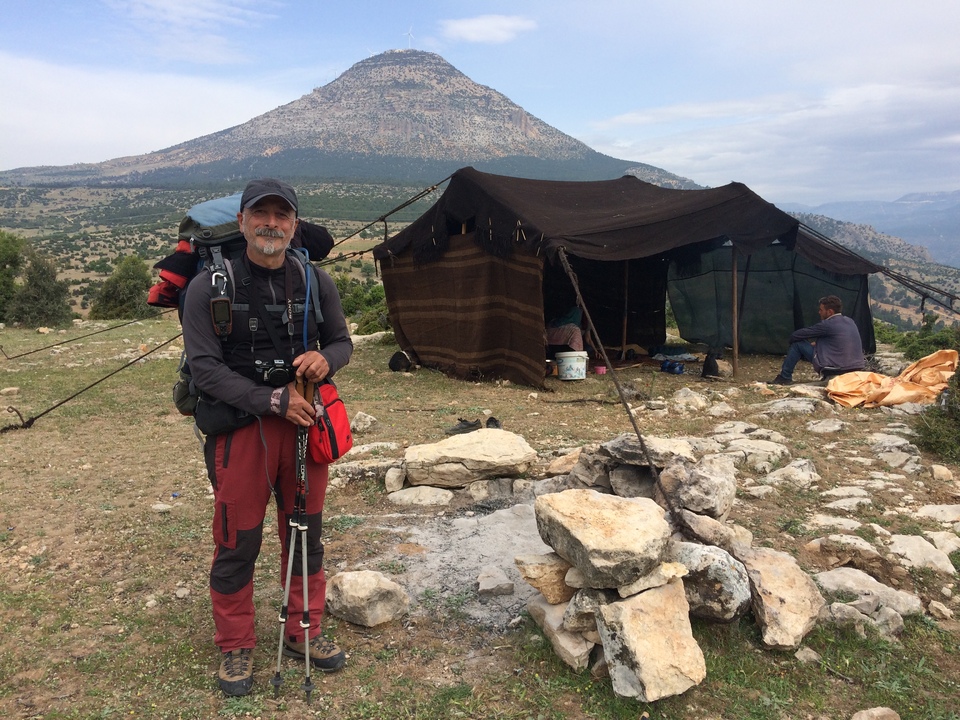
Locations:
column 472, row 283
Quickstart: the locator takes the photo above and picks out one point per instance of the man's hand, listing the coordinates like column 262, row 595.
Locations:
column 311, row 365
column 299, row 411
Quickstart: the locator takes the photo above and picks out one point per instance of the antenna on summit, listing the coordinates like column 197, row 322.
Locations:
column 409, row 35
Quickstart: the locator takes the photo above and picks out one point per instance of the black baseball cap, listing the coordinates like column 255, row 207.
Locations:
column 257, row 190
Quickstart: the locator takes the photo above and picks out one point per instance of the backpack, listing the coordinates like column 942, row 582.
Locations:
column 208, row 229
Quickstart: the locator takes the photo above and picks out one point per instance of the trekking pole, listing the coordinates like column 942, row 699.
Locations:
column 297, row 523
column 302, row 526
column 294, row 524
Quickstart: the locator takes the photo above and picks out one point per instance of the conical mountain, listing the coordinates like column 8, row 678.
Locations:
column 402, row 115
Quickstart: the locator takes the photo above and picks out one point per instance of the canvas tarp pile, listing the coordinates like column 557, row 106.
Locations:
column 920, row 382
column 471, row 284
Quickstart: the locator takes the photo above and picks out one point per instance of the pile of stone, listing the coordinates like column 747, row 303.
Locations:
column 625, row 575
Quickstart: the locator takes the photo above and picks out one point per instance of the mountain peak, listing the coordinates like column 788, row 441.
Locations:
column 406, row 103
column 405, row 115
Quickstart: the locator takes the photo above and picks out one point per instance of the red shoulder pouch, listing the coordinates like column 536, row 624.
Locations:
column 330, row 437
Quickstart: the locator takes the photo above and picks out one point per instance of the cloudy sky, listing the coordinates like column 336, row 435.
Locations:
column 805, row 101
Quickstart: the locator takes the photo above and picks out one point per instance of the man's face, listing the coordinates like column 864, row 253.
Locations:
column 824, row 313
column 268, row 226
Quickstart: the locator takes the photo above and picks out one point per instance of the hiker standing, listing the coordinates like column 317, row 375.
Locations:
column 836, row 345
column 249, row 361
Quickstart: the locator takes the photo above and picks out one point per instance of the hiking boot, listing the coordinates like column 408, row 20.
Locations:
column 236, row 672
column 324, row 654
column 493, row 423
column 463, row 426
column 780, row 380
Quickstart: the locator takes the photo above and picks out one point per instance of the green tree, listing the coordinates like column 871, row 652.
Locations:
column 40, row 299
column 11, row 260
column 124, row 293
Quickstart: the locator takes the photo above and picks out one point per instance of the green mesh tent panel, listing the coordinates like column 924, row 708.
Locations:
column 777, row 292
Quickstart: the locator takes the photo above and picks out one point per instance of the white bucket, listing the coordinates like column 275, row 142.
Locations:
column 572, row 365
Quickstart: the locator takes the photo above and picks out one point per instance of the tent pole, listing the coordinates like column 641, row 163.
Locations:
column 734, row 311
column 626, row 309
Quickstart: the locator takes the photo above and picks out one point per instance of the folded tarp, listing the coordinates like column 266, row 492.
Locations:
column 920, row 382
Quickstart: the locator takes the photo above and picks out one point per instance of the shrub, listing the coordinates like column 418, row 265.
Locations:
column 11, row 260
column 40, row 299
column 886, row 333
column 938, row 427
column 124, row 293
column 931, row 336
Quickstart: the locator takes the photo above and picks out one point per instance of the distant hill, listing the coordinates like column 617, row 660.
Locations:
column 928, row 219
column 401, row 116
column 865, row 240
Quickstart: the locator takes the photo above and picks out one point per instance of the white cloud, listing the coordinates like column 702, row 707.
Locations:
column 803, row 148
column 494, row 29
column 64, row 114
column 200, row 31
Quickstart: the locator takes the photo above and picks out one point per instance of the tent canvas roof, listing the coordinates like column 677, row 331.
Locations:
column 470, row 283
column 617, row 219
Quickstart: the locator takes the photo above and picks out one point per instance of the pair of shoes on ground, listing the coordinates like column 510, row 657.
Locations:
column 780, row 380
column 236, row 667
column 465, row 426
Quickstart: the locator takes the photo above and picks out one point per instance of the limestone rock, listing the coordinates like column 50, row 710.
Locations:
column 708, row 531
column 581, row 613
column 877, row 713
column 661, row 575
column 717, row 586
column 942, row 513
column 649, row 646
column 424, row 495
column 846, row 579
column 917, row 552
column 707, row 488
column 760, row 455
column 362, row 422
column 940, row 611
column 570, row 647
column 493, row 581
column 800, row 473
column 612, row 541
column 688, row 399
column 546, row 573
column 564, row 464
column 366, row 597
column 461, row 459
column 626, row 449
column 394, row 479
column 786, row 601
column 632, row 481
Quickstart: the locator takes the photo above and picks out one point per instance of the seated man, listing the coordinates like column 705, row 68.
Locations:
column 837, row 347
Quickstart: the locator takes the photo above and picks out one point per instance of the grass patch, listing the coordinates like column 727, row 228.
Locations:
column 341, row 523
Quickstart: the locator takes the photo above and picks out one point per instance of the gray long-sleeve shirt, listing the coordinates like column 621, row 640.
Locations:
column 205, row 352
column 838, row 343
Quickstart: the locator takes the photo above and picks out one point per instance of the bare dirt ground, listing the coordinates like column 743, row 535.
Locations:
column 104, row 596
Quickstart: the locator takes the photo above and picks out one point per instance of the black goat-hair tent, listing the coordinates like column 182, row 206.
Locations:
column 471, row 284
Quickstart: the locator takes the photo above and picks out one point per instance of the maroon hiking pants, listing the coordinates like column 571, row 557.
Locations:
column 245, row 466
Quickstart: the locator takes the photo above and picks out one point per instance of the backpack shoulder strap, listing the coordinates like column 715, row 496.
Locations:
column 313, row 284
column 221, row 304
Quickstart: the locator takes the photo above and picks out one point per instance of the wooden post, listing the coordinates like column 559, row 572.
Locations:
column 626, row 309
column 734, row 315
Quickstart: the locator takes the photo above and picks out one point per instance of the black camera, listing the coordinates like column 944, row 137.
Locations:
column 275, row 373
